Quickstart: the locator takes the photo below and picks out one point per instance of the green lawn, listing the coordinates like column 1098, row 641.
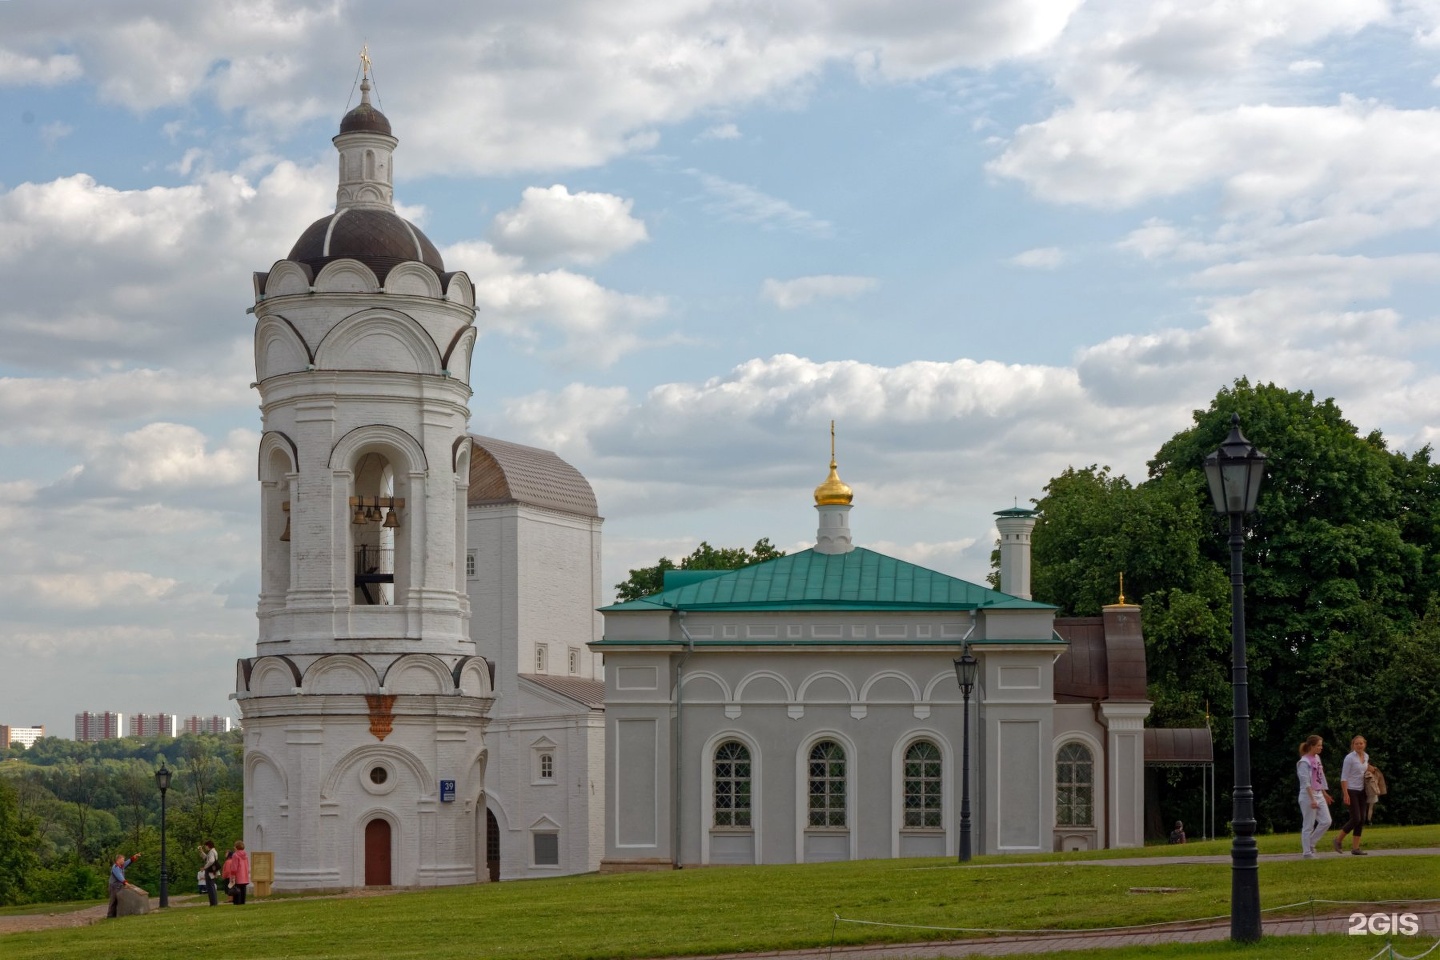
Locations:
column 751, row 909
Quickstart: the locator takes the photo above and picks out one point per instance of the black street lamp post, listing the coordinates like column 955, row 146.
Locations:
column 965, row 668
column 162, row 780
column 1234, row 472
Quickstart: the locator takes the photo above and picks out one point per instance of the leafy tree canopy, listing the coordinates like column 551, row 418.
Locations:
column 1342, row 576
column 648, row 580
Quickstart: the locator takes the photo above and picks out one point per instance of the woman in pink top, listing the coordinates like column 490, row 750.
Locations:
column 1314, row 811
column 239, row 867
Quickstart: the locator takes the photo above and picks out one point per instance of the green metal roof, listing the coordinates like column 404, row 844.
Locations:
column 859, row 580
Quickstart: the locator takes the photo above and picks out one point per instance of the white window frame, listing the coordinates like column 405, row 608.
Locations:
column 470, row 565
column 541, row 658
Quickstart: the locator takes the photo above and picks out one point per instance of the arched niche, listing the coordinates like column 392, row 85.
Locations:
column 278, row 348
column 273, row 677
column 457, row 356
column 346, row 276
column 378, row 340
column 474, row 679
column 341, row 674
column 287, row 278
column 419, row 673
column 460, row 289
column 413, row 279
column 278, row 470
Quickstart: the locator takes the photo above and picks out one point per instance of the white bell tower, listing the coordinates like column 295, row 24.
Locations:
column 365, row 704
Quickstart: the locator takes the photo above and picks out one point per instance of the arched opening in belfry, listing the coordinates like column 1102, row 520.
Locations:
column 277, row 507
column 376, row 531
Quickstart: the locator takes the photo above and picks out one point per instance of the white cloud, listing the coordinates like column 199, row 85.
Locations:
column 594, row 325
column 554, row 224
column 742, row 203
column 1306, row 66
column 55, row 131
column 789, row 294
column 721, row 131
column 19, row 69
column 1296, row 178
column 1039, row 258
column 102, row 275
column 541, row 92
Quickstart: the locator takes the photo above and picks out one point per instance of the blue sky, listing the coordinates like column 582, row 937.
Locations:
column 992, row 240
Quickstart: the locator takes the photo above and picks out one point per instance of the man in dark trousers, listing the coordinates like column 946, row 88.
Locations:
column 118, row 881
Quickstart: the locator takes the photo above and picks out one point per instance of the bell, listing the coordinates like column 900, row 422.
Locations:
column 372, row 513
column 359, row 514
column 391, row 520
column 285, row 536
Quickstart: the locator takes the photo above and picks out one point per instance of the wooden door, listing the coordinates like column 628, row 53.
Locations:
column 377, row 853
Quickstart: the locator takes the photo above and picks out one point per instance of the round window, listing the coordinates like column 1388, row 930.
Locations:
column 379, row 775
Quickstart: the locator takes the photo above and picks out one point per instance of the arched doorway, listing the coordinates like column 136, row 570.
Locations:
column 377, row 853
column 492, row 846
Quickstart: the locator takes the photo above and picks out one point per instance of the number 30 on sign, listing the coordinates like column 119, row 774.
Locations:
column 1404, row 924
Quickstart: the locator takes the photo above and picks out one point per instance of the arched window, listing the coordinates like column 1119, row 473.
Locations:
column 1075, row 786
column 732, row 785
column 922, row 785
column 827, row 784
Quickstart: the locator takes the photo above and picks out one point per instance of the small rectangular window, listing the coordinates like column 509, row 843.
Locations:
column 547, row 849
column 547, row 766
column 470, row 564
column 574, row 660
column 539, row 658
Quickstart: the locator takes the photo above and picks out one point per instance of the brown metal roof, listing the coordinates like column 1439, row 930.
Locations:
column 1182, row 745
column 1082, row 671
column 1105, row 659
column 590, row 693
column 380, row 239
column 505, row 472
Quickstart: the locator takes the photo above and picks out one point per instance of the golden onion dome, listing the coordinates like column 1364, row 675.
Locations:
column 833, row 490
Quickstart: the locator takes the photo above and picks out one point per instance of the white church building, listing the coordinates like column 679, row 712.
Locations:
column 432, row 698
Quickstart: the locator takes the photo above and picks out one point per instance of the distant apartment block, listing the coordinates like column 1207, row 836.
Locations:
column 20, row 736
column 154, row 725
column 90, row 727
column 214, row 724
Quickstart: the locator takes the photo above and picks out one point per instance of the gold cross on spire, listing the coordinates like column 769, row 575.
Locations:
column 832, row 441
column 1122, row 586
column 365, row 58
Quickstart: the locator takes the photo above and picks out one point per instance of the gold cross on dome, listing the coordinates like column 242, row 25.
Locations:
column 365, row 58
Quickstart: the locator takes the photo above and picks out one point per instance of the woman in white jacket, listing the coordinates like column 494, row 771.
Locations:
column 1314, row 811
column 1352, row 776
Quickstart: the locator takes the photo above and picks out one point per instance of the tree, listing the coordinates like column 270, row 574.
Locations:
column 648, row 580
column 17, row 853
column 1342, row 565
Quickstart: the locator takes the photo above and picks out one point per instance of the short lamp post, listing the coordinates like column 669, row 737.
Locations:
column 965, row 668
column 162, row 780
column 1234, row 472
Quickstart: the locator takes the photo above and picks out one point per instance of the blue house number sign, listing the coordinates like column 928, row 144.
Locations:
column 447, row 791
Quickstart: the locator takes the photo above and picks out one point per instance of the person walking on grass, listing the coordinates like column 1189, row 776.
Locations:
column 1314, row 800
column 1352, row 776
